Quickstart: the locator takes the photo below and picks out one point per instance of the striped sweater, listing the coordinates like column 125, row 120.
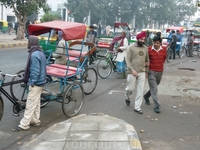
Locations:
column 157, row 58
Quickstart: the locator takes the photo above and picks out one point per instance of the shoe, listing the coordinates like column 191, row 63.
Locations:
column 157, row 110
column 35, row 124
column 146, row 100
column 138, row 111
column 127, row 101
column 17, row 129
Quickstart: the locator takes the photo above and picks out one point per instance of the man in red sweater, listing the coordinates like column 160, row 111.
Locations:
column 157, row 56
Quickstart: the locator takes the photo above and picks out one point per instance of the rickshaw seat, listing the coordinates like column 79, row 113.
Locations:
column 103, row 45
column 58, row 72
column 76, row 53
column 64, row 67
column 165, row 43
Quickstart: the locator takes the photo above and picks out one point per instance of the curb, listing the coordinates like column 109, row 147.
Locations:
column 13, row 45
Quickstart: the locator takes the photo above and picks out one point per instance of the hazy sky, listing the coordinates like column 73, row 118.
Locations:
column 54, row 3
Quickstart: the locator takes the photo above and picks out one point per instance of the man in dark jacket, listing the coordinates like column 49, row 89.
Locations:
column 35, row 77
column 173, row 44
column 27, row 23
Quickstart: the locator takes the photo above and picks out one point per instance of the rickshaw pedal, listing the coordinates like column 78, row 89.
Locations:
column 47, row 93
column 16, row 115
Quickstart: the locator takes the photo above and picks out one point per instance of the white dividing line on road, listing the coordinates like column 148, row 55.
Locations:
column 116, row 91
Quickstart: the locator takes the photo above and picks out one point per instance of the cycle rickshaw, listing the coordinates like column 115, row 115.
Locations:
column 73, row 81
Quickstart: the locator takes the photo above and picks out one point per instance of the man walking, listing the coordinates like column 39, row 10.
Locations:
column 137, row 60
column 148, row 40
column 173, row 44
column 157, row 57
column 35, row 77
column 91, row 38
column 190, row 45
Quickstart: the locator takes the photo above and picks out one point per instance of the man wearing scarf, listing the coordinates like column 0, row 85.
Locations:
column 35, row 77
column 120, row 44
column 137, row 60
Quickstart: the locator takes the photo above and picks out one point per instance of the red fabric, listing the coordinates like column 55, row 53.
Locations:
column 71, row 30
column 115, row 40
column 157, row 59
column 141, row 35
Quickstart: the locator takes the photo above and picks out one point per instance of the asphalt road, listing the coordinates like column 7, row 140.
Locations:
column 175, row 128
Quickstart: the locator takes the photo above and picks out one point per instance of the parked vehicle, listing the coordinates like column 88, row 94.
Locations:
column 3, row 26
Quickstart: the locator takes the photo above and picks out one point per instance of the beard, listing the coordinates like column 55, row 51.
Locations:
column 140, row 44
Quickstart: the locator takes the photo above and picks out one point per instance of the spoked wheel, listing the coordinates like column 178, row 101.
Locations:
column 89, row 80
column 19, row 91
column 169, row 55
column 1, row 108
column 187, row 51
column 43, row 101
column 195, row 51
column 73, row 99
column 104, row 67
column 181, row 52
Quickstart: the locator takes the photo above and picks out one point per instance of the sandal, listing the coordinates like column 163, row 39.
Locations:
column 138, row 111
column 17, row 129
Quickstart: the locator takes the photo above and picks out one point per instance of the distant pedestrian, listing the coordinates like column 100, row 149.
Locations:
column 190, row 45
column 108, row 30
column 10, row 26
column 137, row 60
column 34, row 21
column 173, row 43
column 16, row 27
column 91, row 38
column 26, row 26
column 35, row 77
column 119, row 44
column 148, row 40
column 157, row 57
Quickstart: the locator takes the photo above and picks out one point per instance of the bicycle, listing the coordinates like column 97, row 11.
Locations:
column 18, row 105
column 106, row 64
column 196, row 50
column 20, row 91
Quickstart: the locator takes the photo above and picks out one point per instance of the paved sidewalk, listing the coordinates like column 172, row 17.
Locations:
column 7, row 41
column 87, row 132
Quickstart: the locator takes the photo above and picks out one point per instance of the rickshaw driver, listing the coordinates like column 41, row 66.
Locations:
column 91, row 38
column 179, row 40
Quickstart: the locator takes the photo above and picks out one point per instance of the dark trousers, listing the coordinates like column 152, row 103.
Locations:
column 173, row 47
column 190, row 47
column 154, row 79
column 92, row 56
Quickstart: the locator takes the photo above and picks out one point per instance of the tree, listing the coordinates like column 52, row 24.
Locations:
column 50, row 17
column 22, row 9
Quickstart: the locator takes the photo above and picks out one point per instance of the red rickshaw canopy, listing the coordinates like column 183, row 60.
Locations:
column 175, row 28
column 71, row 30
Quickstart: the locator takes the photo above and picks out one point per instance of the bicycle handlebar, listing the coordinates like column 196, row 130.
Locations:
column 6, row 74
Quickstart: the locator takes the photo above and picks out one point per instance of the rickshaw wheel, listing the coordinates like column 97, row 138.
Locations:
column 181, row 52
column 19, row 91
column 169, row 55
column 43, row 101
column 89, row 80
column 1, row 107
column 104, row 67
column 73, row 98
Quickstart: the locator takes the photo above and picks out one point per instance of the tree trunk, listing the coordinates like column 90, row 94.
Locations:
column 20, row 32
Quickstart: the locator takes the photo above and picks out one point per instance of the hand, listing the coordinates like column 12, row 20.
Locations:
column 146, row 74
column 147, row 63
column 134, row 73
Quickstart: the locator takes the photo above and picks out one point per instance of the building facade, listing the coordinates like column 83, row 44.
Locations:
column 7, row 14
